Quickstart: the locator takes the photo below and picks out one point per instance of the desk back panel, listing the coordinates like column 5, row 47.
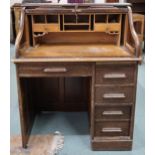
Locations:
column 58, row 94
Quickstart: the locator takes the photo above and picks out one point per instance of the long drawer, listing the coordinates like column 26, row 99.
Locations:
column 112, row 128
column 112, row 112
column 54, row 69
column 115, row 74
column 114, row 94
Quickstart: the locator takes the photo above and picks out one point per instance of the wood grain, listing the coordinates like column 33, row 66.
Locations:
column 73, row 50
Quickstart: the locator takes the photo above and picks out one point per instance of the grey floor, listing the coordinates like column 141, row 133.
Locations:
column 74, row 126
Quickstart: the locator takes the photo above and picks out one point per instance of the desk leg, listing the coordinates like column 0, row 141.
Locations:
column 27, row 114
column 92, row 86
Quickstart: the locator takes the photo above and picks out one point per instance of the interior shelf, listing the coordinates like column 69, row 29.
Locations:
column 71, row 22
column 76, row 27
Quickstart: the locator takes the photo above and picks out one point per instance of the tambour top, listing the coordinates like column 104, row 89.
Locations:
column 95, row 3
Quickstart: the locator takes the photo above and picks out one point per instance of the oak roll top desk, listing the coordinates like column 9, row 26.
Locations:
column 79, row 57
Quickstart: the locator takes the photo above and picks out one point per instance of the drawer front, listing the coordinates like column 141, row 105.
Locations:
column 100, row 27
column 107, row 27
column 114, row 94
column 46, row 27
column 115, row 74
column 112, row 112
column 108, row 129
column 48, row 69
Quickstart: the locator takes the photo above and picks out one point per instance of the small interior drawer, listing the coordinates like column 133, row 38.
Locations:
column 105, row 27
column 112, row 112
column 115, row 74
column 110, row 128
column 46, row 27
column 100, row 27
column 54, row 69
column 114, row 27
column 114, row 94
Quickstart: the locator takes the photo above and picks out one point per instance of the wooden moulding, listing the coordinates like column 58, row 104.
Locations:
column 133, row 33
column 20, row 33
column 99, row 60
column 16, row 14
column 84, row 7
column 50, row 11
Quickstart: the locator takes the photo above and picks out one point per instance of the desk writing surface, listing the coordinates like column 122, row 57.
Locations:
column 75, row 50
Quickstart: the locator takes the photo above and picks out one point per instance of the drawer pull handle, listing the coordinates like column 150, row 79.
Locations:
column 111, row 95
column 112, row 113
column 111, row 130
column 115, row 76
column 55, row 70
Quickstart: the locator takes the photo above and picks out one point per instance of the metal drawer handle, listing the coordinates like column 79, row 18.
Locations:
column 115, row 76
column 114, row 95
column 111, row 130
column 112, row 113
column 55, row 70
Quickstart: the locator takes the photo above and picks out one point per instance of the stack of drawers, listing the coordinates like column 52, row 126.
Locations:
column 114, row 105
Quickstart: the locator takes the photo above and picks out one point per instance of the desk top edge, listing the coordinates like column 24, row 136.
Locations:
column 95, row 60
